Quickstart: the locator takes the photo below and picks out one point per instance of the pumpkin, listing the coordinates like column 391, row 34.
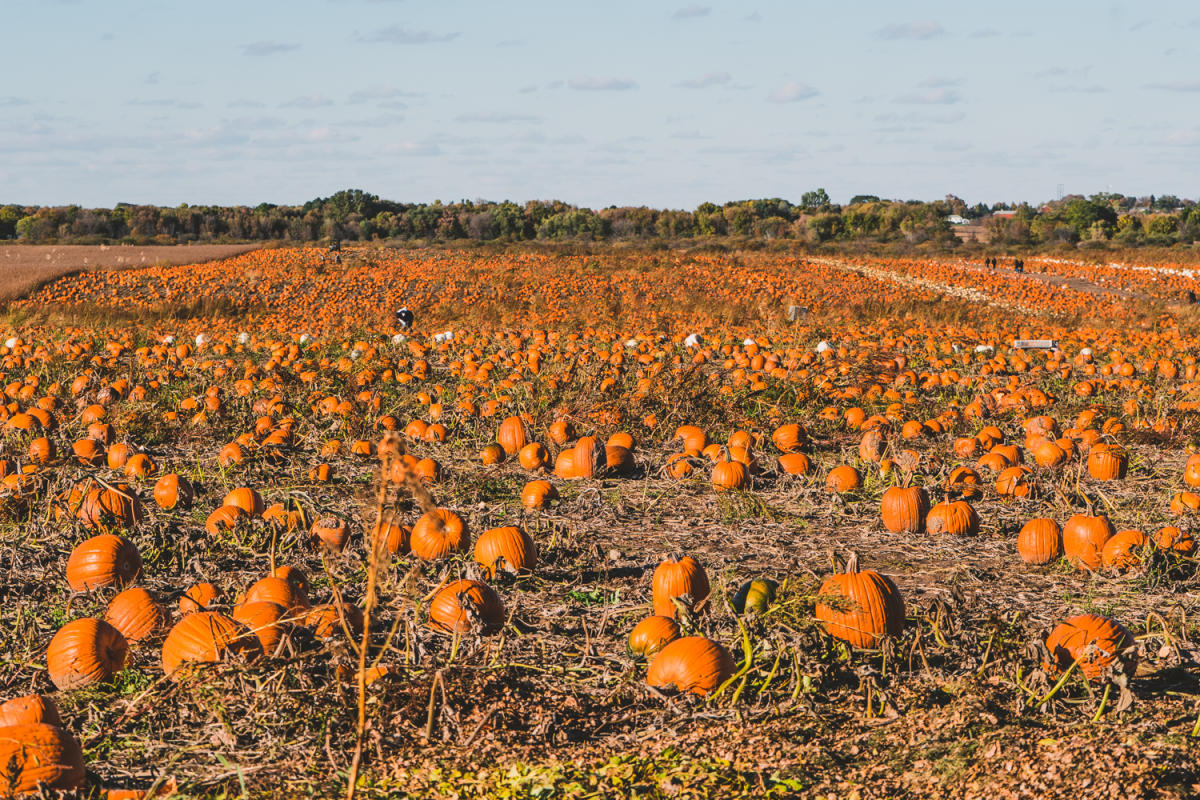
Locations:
column 262, row 619
column 564, row 465
column 872, row 446
column 89, row 452
column 395, row 535
column 224, row 518
column 437, row 534
column 536, row 494
column 651, row 635
column 1171, row 539
column 561, row 431
column 964, row 482
column 103, row 560
column 1096, row 642
column 789, row 438
column 1107, row 462
column 754, row 595
column 1083, row 539
column 676, row 577
column 466, row 606
column 1040, row 541
column 140, row 466
column 330, row 533
column 694, row 439
column 533, row 456
column 136, row 613
column 1014, row 482
column 618, row 460
column 957, row 518
column 1191, row 471
column 679, row 466
column 36, row 757
column 1122, row 551
column 206, row 637
column 730, row 475
column 904, row 509
column 330, row 619
column 116, row 505
column 29, row 710
column 691, row 664
column 507, row 549
column 246, row 499
column 794, row 464
column 83, row 652
column 198, row 598
column 172, row 490
column 512, row 436
column 273, row 589
column 1183, row 502
column 870, row 607
column 588, row 457
column 843, row 479
column 492, row 454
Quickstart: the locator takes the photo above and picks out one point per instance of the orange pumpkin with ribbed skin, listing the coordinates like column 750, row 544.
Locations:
column 564, row 465
column 173, row 490
column 281, row 591
column 1122, row 551
column 561, row 431
column 843, row 478
column 29, row 710
column 330, row 533
column 957, row 518
column 904, row 509
column 492, row 454
column 1014, row 482
column 262, row 619
column 730, row 475
column 694, row 439
column 1191, row 471
column 691, row 664
column 966, row 447
column 223, row 519
column 1084, row 538
column 140, row 465
column 618, row 460
column 651, row 635
column 506, row 549
column 326, row 620
column 198, row 597
column 588, row 457
column 37, row 756
column 42, row 450
column 870, row 608
column 533, row 456
column 622, row 439
column 963, row 481
column 676, row 577
column 794, row 464
column 466, row 606
column 1049, row 454
column 1040, row 541
column 1174, row 541
column 89, row 452
column 1095, row 641
column 111, row 506
column 789, row 438
column 83, row 652
column 396, row 535
column 104, row 560
column 136, row 613
column 536, row 494
column 438, row 534
column 246, row 499
column 206, row 637
column 512, row 435
column 1107, row 462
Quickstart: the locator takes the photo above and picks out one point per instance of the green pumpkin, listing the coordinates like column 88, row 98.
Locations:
column 755, row 595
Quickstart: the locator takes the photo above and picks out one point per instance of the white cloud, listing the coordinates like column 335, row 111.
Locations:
column 310, row 101
column 691, row 12
column 705, row 81
column 925, row 29
column 394, row 34
column 263, row 48
column 1176, row 86
column 935, row 97
column 595, row 84
column 497, row 117
column 792, row 92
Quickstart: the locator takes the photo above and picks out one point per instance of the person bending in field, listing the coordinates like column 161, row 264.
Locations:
column 404, row 318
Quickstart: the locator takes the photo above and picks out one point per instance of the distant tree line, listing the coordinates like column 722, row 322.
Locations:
column 355, row 215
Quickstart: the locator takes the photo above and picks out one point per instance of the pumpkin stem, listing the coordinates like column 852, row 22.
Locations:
column 852, row 563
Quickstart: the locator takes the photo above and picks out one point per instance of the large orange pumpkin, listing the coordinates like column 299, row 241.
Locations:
column 690, row 664
column 868, row 608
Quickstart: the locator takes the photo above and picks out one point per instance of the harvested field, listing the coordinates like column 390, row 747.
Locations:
column 23, row 268
column 673, row 409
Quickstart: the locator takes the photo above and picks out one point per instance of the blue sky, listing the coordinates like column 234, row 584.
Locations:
column 626, row 103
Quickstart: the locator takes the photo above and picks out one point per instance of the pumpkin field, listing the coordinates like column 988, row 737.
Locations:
column 605, row 522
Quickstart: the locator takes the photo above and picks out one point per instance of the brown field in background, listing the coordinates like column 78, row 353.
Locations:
column 23, row 268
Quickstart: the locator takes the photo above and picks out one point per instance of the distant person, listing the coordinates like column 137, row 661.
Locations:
column 404, row 318
column 1019, row 266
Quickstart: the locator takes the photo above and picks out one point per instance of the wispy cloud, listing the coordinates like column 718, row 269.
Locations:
column 245, row 104
column 412, row 149
column 8, row 102
column 1074, row 88
column 372, row 93
column 792, row 92
column 308, row 101
column 940, row 83
column 163, row 103
column 924, row 29
column 496, row 117
column 265, row 48
column 1176, row 86
column 933, row 97
column 691, row 12
column 394, row 34
column 984, row 33
column 596, row 84
column 705, row 81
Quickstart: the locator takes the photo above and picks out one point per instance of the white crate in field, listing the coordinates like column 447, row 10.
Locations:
column 1035, row 344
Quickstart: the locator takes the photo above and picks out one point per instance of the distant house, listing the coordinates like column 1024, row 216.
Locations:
column 955, row 219
column 1006, row 213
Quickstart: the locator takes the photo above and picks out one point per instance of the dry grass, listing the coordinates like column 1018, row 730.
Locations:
column 23, row 268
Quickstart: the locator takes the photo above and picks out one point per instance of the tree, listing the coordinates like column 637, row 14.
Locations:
column 863, row 198
column 815, row 200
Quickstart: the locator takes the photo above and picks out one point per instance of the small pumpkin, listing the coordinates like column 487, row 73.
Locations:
column 1107, row 462
column 29, row 710
column 904, row 509
column 103, row 560
column 1123, row 550
column 957, row 518
column 1096, row 642
column 437, row 534
column 173, row 490
column 198, row 598
column 136, row 613
column 331, row 533
column 536, row 494
column 843, row 479
column 506, row 549
column 651, row 635
column 755, row 595
column 466, row 606
column 679, row 577
column 690, row 664
column 1083, row 539
column 206, row 637
column 1040, row 541
column 85, row 651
